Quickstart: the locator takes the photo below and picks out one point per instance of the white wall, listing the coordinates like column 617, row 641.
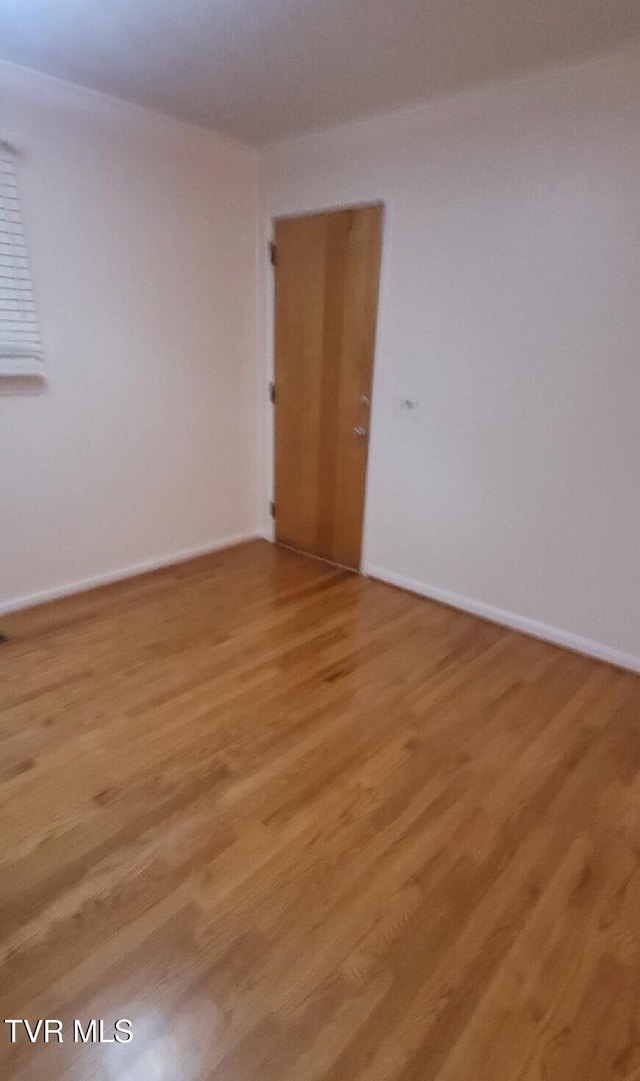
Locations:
column 142, row 443
column 510, row 308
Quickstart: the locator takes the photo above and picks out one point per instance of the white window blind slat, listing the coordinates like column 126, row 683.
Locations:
column 20, row 342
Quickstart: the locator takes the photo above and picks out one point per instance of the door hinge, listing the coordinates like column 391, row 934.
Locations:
column 272, row 393
column 272, row 509
column 272, row 253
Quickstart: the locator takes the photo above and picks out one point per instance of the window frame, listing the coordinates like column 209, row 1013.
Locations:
column 23, row 355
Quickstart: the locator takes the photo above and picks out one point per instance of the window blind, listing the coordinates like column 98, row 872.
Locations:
column 20, row 344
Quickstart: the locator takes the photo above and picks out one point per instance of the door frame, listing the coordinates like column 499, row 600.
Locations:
column 267, row 322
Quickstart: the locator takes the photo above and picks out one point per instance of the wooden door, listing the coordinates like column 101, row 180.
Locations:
column 327, row 270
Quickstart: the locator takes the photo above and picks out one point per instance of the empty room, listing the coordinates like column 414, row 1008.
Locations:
column 319, row 540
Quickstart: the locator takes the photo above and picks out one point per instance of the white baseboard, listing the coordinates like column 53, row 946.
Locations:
column 532, row 627
column 82, row 584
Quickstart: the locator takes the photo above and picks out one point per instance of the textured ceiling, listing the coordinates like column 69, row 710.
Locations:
column 263, row 69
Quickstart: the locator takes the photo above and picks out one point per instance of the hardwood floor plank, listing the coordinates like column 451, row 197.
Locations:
column 301, row 826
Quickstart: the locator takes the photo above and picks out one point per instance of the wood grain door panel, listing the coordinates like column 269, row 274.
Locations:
column 326, row 298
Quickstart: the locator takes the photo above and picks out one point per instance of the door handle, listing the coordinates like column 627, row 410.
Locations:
column 362, row 432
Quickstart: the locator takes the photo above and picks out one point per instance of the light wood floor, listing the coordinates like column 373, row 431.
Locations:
column 297, row 825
